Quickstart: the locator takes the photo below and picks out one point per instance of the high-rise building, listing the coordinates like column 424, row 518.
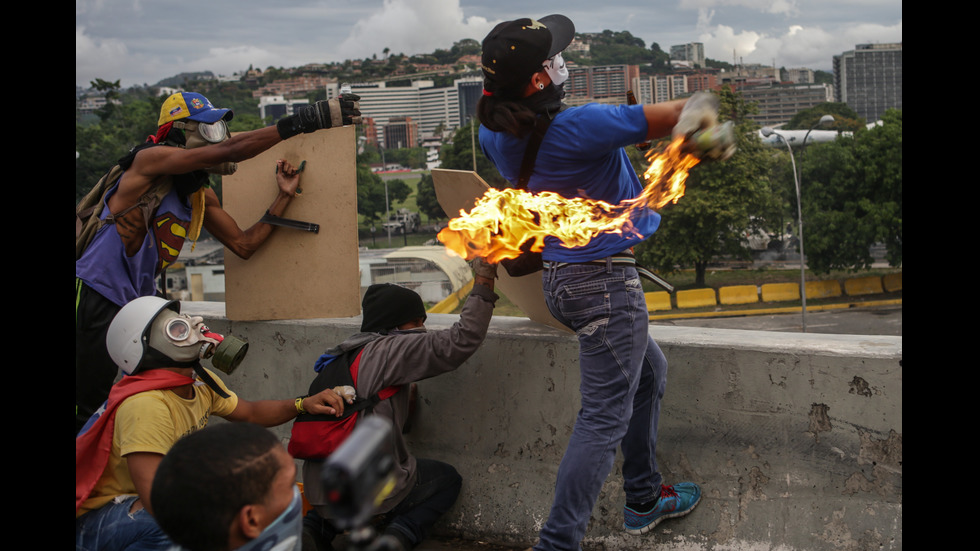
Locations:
column 401, row 132
column 430, row 107
column 690, row 54
column 598, row 83
column 277, row 107
column 779, row 102
column 869, row 79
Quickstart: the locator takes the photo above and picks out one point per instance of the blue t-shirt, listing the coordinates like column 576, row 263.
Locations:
column 582, row 155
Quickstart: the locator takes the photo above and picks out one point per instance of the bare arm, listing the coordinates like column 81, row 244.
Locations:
column 154, row 162
column 661, row 117
column 224, row 228
column 270, row 413
column 142, row 468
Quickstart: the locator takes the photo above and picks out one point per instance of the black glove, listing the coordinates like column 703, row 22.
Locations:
column 340, row 111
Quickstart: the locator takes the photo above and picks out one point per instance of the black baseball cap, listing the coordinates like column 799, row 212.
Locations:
column 515, row 50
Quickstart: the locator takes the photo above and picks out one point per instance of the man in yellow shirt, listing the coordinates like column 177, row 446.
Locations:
column 165, row 395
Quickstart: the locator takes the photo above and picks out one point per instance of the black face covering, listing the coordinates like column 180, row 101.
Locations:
column 187, row 184
column 547, row 101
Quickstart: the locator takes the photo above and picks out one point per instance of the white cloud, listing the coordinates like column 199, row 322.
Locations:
column 798, row 46
column 412, row 27
column 723, row 42
column 97, row 58
column 232, row 59
column 764, row 6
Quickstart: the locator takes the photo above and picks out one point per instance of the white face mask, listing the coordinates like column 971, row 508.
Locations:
column 556, row 69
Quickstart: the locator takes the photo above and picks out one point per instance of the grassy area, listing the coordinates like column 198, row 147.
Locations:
column 380, row 239
column 412, row 179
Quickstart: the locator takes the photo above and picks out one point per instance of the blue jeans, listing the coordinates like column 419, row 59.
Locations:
column 112, row 527
column 623, row 377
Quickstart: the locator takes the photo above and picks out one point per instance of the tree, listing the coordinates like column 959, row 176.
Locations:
column 660, row 60
column 371, row 193
column 852, row 197
column 844, row 118
column 426, row 199
column 130, row 119
column 458, row 155
column 723, row 201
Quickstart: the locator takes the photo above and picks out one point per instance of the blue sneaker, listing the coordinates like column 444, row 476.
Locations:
column 675, row 501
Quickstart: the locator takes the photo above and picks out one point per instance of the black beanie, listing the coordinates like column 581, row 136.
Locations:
column 386, row 306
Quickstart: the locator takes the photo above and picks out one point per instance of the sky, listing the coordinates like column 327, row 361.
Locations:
column 141, row 42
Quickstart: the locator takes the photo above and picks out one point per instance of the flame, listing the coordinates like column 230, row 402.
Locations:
column 506, row 222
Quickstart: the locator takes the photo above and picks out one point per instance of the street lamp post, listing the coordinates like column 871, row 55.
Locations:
column 823, row 120
column 797, row 176
column 799, row 206
column 384, row 167
column 766, row 132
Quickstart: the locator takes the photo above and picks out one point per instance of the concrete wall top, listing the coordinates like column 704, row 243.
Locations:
column 796, row 439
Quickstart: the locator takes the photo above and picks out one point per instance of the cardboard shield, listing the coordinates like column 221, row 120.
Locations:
column 297, row 274
column 459, row 190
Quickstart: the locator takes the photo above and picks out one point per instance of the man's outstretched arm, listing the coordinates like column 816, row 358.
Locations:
column 225, row 229
column 153, row 162
column 270, row 413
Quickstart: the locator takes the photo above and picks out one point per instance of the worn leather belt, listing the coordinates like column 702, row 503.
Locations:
column 625, row 258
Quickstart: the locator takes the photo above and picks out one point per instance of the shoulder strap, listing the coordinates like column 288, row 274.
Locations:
column 531, row 152
column 343, row 371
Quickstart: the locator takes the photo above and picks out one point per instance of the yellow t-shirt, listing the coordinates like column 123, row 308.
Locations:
column 153, row 421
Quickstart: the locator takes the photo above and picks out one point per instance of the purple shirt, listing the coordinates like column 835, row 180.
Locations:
column 105, row 268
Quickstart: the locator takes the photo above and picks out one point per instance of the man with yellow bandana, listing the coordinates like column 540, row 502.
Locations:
column 160, row 199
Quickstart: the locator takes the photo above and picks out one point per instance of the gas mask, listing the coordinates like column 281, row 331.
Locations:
column 186, row 339
column 556, row 69
column 199, row 134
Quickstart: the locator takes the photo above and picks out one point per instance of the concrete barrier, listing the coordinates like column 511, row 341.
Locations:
column 658, row 301
column 696, row 298
column 892, row 282
column 795, row 438
column 856, row 286
column 738, row 294
column 775, row 292
column 451, row 302
column 827, row 288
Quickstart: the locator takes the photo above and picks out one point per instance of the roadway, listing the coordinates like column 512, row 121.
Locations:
column 871, row 320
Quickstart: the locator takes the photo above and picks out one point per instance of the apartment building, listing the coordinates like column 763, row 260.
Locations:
column 778, row 103
column 599, row 83
column 430, row 107
column 869, row 79
column 690, row 54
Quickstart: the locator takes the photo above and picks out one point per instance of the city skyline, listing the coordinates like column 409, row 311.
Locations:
column 141, row 43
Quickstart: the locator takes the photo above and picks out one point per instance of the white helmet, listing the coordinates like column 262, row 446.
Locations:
column 128, row 336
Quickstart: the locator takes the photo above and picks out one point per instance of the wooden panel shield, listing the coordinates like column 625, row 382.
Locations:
column 297, row 274
column 459, row 190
